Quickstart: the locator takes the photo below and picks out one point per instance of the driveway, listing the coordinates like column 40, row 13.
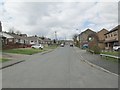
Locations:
column 62, row 68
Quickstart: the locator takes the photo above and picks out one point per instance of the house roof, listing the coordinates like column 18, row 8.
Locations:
column 33, row 38
column 15, row 36
column 46, row 39
column 87, row 30
column 2, row 34
column 114, row 29
column 102, row 30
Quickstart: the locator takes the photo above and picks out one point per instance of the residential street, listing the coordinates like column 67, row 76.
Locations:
column 61, row 68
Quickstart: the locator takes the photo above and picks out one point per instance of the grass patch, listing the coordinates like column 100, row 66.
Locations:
column 114, row 53
column 4, row 60
column 27, row 51
column 111, row 59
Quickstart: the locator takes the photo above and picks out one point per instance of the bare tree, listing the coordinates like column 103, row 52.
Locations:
column 18, row 32
column 12, row 30
column 75, row 37
column 76, row 42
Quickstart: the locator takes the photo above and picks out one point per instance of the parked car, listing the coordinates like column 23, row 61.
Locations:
column 62, row 45
column 39, row 46
column 116, row 48
column 71, row 45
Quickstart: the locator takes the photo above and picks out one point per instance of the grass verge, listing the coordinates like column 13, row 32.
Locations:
column 114, row 53
column 111, row 59
column 27, row 51
column 4, row 60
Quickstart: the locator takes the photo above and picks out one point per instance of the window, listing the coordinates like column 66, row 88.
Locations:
column 10, row 40
column 106, row 36
column 115, row 33
column 111, row 35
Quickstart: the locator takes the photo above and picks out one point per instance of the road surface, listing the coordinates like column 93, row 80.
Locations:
column 61, row 68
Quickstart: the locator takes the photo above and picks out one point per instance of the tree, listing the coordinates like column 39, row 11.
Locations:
column 75, row 39
column 35, row 35
column 11, row 30
column 42, row 37
column 18, row 32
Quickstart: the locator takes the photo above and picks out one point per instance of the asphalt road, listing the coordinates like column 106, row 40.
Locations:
column 61, row 68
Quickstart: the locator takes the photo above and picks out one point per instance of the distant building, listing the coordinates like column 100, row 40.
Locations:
column 32, row 40
column 101, row 38
column 111, row 38
column 6, row 39
column 23, row 35
column 92, row 40
column 83, row 37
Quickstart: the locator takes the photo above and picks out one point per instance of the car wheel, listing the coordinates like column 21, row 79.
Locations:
column 118, row 49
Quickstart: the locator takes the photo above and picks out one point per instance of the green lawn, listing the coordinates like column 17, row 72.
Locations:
column 4, row 60
column 114, row 53
column 27, row 51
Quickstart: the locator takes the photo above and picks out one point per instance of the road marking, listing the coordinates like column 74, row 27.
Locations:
column 11, row 64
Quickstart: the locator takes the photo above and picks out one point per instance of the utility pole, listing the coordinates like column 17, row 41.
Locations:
column 55, row 35
column 0, row 26
column 55, row 40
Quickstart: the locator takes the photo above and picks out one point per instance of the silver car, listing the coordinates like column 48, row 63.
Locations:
column 39, row 46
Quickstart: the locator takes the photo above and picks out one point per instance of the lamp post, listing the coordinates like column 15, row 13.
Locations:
column 79, row 39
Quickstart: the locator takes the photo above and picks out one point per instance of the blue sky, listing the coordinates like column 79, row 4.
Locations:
column 44, row 18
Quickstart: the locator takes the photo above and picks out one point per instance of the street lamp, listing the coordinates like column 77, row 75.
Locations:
column 79, row 39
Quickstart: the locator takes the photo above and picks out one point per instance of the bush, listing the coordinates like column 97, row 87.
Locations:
column 96, row 49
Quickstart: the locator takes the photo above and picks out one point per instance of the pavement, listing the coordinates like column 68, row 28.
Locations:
column 99, row 61
column 61, row 68
column 17, row 58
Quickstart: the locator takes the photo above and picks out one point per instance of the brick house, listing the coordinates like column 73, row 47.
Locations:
column 32, row 40
column 83, row 37
column 111, row 38
column 6, row 39
column 18, row 39
column 92, row 40
column 46, row 41
column 101, row 38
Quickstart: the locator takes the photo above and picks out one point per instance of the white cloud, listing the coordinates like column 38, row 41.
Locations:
column 44, row 18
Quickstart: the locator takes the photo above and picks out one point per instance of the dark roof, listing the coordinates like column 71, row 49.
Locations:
column 33, row 38
column 102, row 30
column 24, row 35
column 15, row 35
column 114, row 29
column 87, row 31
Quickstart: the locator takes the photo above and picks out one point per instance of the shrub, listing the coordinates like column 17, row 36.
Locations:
column 96, row 49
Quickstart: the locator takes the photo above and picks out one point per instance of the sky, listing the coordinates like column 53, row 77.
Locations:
column 66, row 18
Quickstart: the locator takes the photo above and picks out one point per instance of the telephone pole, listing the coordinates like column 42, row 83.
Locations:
column 55, row 35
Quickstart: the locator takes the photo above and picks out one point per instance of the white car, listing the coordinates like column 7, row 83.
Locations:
column 116, row 48
column 37, row 46
column 62, row 45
